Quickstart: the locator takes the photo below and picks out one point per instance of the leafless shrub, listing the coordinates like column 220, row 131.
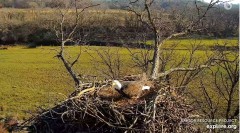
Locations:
column 218, row 95
column 141, row 58
column 190, row 59
column 108, row 62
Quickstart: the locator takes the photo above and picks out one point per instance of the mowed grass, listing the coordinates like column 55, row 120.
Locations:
column 186, row 43
column 33, row 78
column 29, row 78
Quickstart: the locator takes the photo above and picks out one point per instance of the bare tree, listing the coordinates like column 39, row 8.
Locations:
column 226, row 79
column 162, row 24
column 219, row 89
column 141, row 56
column 66, row 35
column 107, row 61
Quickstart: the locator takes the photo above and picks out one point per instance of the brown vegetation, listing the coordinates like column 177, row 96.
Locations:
column 8, row 124
column 3, row 129
column 160, row 111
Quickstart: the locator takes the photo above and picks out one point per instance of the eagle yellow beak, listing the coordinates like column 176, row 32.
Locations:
column 113, row 84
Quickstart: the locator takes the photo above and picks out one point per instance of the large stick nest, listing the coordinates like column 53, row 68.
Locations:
column 159, row 110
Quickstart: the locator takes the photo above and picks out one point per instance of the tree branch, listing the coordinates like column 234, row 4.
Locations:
column 181, row 69
column 73, row 74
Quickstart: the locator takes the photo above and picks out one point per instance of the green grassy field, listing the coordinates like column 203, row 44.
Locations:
column 185, row 43
column 32, row 78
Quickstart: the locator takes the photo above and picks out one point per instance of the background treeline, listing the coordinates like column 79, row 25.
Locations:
column 33, row 3
column 39, row 26
column 36, row 25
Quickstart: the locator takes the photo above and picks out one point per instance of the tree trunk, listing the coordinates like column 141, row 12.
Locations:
column 70, row 71
column 68, row 66
column 156, row 55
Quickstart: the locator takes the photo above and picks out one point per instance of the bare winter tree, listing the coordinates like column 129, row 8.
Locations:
column 141, row 55
column 68, row 35
column 107, row 61
column 227, row 85
column 165, row 24
column 218, row 87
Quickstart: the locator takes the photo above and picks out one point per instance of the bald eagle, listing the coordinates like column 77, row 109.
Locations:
column 130, row 89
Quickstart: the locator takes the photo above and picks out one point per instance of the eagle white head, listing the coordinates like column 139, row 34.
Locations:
column 145, row 87
column 116, row 84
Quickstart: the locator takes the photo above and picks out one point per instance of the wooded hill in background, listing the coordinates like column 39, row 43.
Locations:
column 34, row 25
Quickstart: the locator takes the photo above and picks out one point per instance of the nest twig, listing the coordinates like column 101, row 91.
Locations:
column 85, row 112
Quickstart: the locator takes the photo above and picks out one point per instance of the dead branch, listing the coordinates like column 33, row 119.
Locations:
column 181, row 69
